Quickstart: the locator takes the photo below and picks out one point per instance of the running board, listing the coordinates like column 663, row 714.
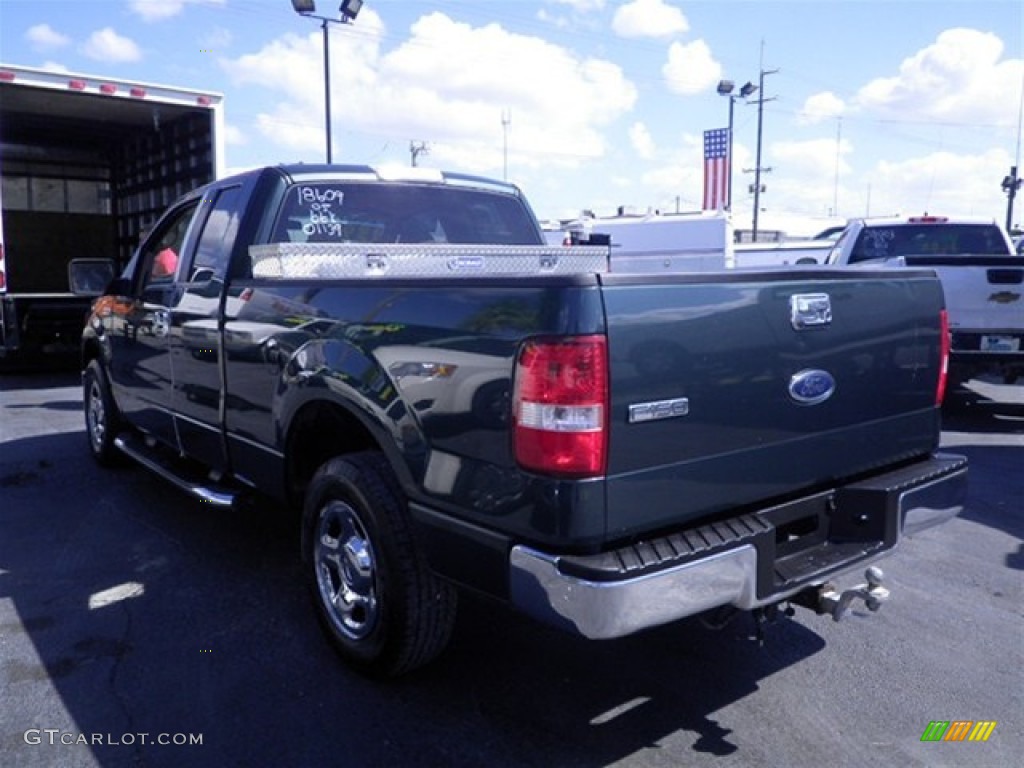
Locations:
column 199, row 488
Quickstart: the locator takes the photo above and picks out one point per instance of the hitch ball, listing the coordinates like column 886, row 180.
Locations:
column 872, row 593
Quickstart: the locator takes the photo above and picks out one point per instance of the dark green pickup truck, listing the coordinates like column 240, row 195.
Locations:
column 452, row 403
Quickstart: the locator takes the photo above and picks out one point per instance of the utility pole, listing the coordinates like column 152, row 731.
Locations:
column 760, row 124
column 506, row 120
column 1010, row 186
column 417, row 149
column 835, row 186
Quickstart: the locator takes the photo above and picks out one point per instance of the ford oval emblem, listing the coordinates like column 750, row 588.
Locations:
column 812, row 386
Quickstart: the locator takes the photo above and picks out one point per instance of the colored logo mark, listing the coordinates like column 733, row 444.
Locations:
column 958, row 730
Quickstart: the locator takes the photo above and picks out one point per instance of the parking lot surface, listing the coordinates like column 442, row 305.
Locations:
column 141, row 628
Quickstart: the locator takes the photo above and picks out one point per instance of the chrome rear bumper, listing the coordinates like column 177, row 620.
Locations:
column 746, row 562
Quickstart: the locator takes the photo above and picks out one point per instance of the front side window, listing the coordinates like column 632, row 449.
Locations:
column 162, row 251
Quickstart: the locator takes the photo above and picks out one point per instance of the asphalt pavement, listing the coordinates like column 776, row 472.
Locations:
column 141, row 628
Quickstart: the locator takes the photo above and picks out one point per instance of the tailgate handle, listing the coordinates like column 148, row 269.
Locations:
column 809, row 310
column 1006, row 276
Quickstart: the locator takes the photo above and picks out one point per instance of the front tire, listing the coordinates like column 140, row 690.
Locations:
column 102, row 420
column 381, row 606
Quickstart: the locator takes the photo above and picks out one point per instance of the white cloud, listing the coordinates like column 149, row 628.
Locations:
column 808, row 176
column 641, row 140
column 234, row 136
column 820, row 107
column 649, row 18
column 43, row 37
column 679, row 175
column 53, row 66
column 962, row 77
column 448, row 84
column 106, row 45
column 158, row 10
column 581, row 6
column 690, row 68
column 942, row 183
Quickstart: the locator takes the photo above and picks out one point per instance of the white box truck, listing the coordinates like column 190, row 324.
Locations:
column 87, row 163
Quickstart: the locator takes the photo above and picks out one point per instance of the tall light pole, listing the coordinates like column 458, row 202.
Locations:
column 348, row 9
column 725, row 88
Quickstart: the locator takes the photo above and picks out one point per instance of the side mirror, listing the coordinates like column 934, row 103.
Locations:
column 87, row 277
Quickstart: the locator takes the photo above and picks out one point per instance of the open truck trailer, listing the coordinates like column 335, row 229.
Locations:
column 87, row 164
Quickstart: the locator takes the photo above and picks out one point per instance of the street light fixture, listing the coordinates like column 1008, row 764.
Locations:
column 725, row 88
column 348, row 9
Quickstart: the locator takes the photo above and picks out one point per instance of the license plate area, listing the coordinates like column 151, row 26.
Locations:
column 994, row 343
column 799, row 525
column 815, row 534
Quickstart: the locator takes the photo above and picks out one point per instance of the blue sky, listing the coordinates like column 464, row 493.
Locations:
column 873, row 107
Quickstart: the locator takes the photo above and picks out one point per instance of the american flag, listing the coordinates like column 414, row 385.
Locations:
column 716, row 169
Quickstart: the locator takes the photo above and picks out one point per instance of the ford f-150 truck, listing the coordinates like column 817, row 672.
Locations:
column 452, row 403
column 981, row 274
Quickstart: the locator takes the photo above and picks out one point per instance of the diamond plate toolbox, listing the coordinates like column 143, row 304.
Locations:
column 361, row 260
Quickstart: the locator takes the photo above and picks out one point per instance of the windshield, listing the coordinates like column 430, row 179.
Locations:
column 354, row 212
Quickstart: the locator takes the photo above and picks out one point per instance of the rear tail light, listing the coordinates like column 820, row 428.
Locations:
column 560, row 403
column 3, row 270
column 944, row 347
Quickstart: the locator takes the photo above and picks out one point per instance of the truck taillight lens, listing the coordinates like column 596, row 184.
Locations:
column 3, row 270
column 560, row 402
column 944, row 346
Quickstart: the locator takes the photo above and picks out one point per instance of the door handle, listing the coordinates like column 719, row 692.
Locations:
column 161, row 322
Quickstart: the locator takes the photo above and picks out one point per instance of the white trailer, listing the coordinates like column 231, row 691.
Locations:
column 659, row 243
column 87, row 164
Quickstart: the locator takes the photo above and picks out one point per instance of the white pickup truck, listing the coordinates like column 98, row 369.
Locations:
column 981, row 275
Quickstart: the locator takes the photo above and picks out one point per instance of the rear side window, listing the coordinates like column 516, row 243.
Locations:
column 218, row 236
column 330, row 212
column 927, row 239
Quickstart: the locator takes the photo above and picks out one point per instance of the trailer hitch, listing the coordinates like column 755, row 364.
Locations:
column 835, row 603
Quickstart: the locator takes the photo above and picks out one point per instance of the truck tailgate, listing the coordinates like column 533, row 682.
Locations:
column 983, row 293
column 739, row 388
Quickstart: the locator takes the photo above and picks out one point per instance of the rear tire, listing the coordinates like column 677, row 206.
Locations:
column 102, row 420
column 383, row 609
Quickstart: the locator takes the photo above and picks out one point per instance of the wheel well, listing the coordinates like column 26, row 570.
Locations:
column 320, row 431
column 90, row 352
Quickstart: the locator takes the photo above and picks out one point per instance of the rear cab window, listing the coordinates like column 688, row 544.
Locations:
column 386, row 212
column 891, row 241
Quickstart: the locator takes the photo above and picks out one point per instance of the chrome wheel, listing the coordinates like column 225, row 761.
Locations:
column 382, row 607
column 346, row 570
column 102, row 420
column 96, row 416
